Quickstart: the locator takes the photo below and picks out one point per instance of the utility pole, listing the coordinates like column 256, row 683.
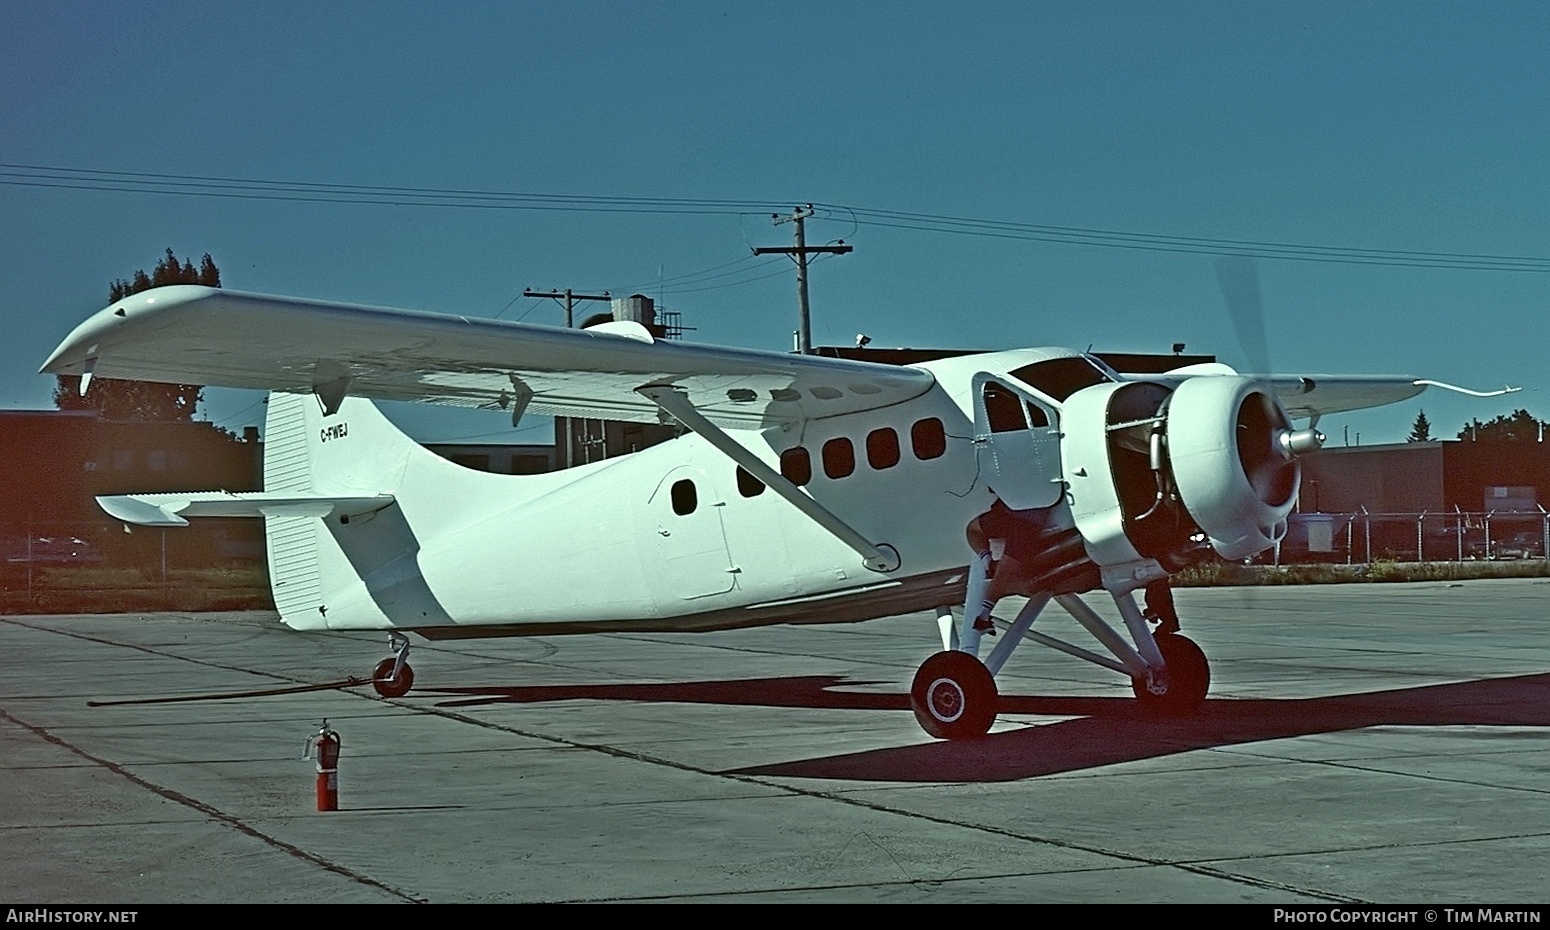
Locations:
column 570, row 299
column 563, row 424
column 800, row 252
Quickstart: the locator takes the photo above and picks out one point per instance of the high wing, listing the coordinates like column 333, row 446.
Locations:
column 1315, row 395
column 201, row 335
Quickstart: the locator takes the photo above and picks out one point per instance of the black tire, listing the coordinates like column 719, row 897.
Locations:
column 1189, row 678
column 954, row 696
column 388, row 686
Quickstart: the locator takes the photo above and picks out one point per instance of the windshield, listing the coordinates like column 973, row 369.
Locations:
column 1061, row 377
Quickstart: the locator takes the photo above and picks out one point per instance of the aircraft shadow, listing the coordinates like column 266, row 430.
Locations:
column 1103, row 731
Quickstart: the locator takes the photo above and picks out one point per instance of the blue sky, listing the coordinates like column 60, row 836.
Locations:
column 1417, row 127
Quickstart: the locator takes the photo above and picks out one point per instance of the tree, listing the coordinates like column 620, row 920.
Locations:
column 1519, row 426
column 1421, row 430
column 142, row 400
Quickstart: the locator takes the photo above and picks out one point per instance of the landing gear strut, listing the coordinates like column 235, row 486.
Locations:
column 954, row 693
column 393, row 677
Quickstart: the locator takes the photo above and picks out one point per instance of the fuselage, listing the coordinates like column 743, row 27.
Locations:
column 677, row 536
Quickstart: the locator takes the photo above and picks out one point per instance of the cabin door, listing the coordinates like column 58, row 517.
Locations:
column 1017, row 441
column 684, row 516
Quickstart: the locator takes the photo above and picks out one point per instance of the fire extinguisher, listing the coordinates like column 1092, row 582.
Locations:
column 324, row 746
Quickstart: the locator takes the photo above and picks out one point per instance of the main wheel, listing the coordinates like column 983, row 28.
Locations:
column 388, row 686
column 954, row 696
column 1188, row 678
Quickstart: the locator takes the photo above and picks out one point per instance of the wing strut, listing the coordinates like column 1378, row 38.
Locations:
column 877, row 558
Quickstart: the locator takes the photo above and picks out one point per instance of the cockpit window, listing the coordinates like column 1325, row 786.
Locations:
column 1062, row 377
column 1003, row 409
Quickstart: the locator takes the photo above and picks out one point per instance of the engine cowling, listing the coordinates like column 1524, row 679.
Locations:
column 1158, row 473
column 1232, row 451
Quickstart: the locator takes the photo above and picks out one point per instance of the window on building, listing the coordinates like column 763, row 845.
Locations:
column 529, row 464
column 472, row 460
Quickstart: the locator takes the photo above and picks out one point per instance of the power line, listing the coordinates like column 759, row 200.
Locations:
column 739, row 283
column 203, row 184
column 315, row 192
column 679, row 283
column 1003, row 229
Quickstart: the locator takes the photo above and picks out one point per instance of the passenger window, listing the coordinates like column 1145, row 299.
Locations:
column 796, row 465
column 748, row 485
column 839, row 457
column 882, row 448
column 928, row 438
column 685, row 497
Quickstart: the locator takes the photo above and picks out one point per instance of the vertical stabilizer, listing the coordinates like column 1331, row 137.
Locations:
column 353, row 451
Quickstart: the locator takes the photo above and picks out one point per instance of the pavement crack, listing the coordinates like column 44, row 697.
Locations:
column 208, row 810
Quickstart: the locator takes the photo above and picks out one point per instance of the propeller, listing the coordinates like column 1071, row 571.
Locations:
column 1239, row 280
column 1267, row 443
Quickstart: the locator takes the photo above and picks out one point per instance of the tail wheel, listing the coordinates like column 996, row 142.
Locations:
column 1187, row 674
column 386, row 684
column 954, row 696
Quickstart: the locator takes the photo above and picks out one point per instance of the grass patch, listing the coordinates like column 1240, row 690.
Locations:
column 77, row 589
column 1229, row 573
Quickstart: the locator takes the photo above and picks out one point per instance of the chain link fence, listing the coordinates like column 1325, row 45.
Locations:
column 1458, row 536
column 66, row 564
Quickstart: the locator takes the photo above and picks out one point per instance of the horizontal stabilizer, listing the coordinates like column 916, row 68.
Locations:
column 174, row 509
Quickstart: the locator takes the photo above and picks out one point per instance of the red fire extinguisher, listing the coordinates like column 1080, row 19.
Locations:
column 324, row 746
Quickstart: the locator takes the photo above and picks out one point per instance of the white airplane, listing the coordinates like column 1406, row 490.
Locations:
column 805, row 490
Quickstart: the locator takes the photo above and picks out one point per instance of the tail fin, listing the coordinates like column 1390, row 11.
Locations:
column 355, row 450
column 352, row 453
column 349, row 504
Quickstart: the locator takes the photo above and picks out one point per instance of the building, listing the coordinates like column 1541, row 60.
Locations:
column 1450, row 499
column 54, row 463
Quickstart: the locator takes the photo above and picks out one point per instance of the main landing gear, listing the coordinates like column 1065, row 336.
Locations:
column 393, row 677
column 954, row 694
column 1179, row 687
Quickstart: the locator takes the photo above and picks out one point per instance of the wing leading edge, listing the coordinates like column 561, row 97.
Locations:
column 1313, row 396
column 199, row 335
